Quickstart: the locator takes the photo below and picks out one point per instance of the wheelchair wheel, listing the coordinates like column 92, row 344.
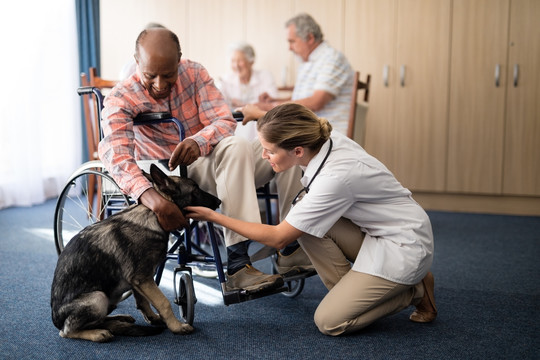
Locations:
column 184, row 296
column 89, row 196
column 295, row 287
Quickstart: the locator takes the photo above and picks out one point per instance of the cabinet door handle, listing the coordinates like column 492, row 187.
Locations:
column 402, row 75
column 497, row 75
column 385, row 75
column 516, row 75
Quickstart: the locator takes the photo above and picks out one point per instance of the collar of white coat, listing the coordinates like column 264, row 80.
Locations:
column 314, row 164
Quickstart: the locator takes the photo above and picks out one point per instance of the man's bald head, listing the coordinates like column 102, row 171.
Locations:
column 159, row 42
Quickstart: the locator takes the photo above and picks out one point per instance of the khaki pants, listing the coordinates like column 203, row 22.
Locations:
column 355, row 299
column 233, row 172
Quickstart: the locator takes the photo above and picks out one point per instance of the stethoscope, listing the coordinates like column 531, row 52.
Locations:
column 306, row 188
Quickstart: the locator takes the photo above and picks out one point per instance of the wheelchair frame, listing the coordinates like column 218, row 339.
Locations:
column 186, row 249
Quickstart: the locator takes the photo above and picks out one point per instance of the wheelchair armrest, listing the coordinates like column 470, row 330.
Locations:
column 238, row 116
column 152, row 117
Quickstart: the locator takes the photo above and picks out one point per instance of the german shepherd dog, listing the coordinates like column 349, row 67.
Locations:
column 119, row 254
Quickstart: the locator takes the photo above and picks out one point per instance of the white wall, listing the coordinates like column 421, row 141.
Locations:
column 206, row 27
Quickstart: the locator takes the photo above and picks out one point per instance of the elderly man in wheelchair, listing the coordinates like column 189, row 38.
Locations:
column 225, row 165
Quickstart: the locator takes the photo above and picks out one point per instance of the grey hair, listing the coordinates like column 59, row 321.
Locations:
column 245, row 48
column 306, row 25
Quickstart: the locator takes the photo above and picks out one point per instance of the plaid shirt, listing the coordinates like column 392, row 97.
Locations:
column 327, row 69
column 194, row 100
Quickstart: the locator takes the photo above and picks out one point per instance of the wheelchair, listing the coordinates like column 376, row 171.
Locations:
column 91, row 195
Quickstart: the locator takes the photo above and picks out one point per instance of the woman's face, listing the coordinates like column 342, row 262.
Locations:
column 279, row 158
column 240, row 64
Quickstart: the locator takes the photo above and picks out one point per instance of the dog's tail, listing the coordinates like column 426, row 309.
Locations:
column 127, row 328
column 136, row 330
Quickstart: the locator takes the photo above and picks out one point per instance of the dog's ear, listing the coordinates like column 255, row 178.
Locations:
column 157, row 176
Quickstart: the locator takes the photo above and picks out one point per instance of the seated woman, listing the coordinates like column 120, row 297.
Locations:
column 243, row 84
column 370, row 242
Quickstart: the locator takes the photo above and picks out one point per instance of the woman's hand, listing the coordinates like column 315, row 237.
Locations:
column 199, row 213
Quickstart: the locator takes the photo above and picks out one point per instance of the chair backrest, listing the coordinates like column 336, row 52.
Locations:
column 357, row 113
column 89, row 122
column 99, row 82
column 90, row 110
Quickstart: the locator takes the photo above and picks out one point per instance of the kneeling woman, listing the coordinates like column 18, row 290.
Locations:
column 352, row 210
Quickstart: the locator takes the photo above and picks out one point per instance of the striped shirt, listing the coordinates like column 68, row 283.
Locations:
column 194, row 100
column 327, row 69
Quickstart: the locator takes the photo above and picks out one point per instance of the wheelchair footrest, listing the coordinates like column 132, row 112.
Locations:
column 241, row 295
column 298, row 275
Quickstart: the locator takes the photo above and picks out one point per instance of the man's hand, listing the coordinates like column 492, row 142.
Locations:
column 169, row 215
column 265, row 97
column 185, row 154
column 251, row 112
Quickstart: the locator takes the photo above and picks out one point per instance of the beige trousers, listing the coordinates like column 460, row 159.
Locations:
column 233, row 172
column 355, row 299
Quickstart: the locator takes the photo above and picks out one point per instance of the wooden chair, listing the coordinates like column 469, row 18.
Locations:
column 90, row 110
column 355, row 129
column 99, row 82
column 92, row 128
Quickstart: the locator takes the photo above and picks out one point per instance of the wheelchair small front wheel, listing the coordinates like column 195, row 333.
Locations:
column 184, row 296
column 294, row 287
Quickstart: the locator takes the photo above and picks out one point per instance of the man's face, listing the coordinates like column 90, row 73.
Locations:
column 297, row 45
column 158, row 73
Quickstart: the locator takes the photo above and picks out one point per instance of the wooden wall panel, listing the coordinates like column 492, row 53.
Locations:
column 265, row 31
column 212, row 25
column 123, row 20
column 369, row 45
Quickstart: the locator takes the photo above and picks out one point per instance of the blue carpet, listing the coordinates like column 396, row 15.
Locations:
column 486, row 283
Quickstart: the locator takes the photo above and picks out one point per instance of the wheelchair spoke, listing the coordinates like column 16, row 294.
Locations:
column 83, row 202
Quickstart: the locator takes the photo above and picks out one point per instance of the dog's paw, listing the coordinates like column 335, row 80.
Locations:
column 181, row 329
column 101, row 335
column 96, row 335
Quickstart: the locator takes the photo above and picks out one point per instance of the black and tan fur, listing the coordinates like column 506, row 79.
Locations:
column 115, row 255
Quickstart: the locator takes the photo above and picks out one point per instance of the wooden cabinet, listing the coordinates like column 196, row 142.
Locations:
column 494, row 123
column 521, row 169
column 444, row 114
column 421, row 98
column 404, row 45
column 477, row 96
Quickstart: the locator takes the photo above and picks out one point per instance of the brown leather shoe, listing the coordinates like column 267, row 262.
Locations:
column 251, row 279
column 297, row 261
column 426, row 311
